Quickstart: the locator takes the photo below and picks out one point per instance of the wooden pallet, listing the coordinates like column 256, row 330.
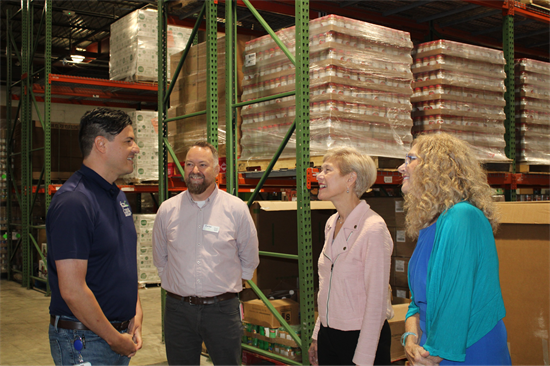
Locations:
column 315, row 161
column 524, row 168
column 500, row 167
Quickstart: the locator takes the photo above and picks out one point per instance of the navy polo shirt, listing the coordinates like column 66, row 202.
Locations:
column 90, row 219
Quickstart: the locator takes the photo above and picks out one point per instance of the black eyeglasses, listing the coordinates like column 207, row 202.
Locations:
column 409, row 159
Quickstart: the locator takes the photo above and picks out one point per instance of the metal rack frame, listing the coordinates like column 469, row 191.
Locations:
column 24, row 193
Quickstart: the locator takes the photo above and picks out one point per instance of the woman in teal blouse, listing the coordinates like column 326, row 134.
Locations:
column 455, row 317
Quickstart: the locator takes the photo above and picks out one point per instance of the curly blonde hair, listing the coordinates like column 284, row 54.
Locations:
column 447, row 173
column 349, row 159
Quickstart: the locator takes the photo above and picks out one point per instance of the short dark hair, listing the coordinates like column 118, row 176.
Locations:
column 101, row 122
column 207, row 145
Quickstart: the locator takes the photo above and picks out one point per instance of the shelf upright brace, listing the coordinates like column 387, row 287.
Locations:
column 212, row 72
column 9, row 144
column 305, row 262
column 162, row 125
column 509, row 95
column 162, row 103
column 26, row 119
column 48, row 10
column 231, row 145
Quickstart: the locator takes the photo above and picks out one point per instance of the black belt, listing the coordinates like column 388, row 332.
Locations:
column 203, row 300
column 73, row 325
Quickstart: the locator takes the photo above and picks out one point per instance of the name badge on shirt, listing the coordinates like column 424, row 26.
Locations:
column 212, row 229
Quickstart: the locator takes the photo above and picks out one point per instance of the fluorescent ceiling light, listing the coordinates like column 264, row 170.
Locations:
column 77, row 58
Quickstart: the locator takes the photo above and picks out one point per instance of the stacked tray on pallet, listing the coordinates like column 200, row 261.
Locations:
column 459, row 89
column 360, row 88
column 532, row 111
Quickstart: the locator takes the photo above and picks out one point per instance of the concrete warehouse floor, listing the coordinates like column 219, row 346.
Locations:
column 24, row 320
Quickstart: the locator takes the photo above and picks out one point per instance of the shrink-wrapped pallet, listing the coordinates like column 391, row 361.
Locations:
column 147, row 272
column 459, row 89
column 532, row 85
column 146, row 162
column 134, row 46
column 360, row 88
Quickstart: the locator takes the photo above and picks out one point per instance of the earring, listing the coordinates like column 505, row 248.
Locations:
column 347, row 191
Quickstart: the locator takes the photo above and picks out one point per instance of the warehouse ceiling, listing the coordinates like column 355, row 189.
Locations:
column 82, row 27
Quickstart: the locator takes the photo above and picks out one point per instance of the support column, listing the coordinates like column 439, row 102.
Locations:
column 305, row 261
column 509, row 96
column 212, row 72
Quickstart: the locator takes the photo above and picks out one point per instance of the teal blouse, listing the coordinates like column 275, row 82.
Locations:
column 464, row 300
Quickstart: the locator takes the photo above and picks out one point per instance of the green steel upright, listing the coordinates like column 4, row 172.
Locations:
column 9, row 139
column 212, row 72
column 26, row 121
column 162, row 103
column 231, row 146
column 509, row 95
column 305, row 263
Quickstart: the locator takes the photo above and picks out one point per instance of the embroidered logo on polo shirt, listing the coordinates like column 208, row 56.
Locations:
column 125, row 208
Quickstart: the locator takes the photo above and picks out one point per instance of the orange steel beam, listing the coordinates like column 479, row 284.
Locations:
column 102, row 82
column 519, row 9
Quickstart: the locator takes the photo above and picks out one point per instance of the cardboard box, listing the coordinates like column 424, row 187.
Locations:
column 255, row 312
column 276, row 223
column 399, row 271
column 523, row 245
column 400, row 293
column 390, row 208
column 397, row 326
column 403, row 245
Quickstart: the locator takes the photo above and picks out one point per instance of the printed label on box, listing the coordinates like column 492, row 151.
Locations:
column 388, row 179
column 400, row 236
column 250, row 59
column 399, row 266
column 401, row 293
column 399, row 206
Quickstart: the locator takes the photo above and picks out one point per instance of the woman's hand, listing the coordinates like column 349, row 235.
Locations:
column 313, row 353
column 419, row 356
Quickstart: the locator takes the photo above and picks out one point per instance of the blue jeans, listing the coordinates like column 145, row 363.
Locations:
column 97, row 351
column 218, row 325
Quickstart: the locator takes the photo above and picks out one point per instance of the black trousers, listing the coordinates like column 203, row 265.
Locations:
column 337, row 347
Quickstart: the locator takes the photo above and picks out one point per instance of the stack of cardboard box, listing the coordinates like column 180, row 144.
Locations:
column 263, row 330
column 391, row 210
column 459, row 89
column 532, row 111
column 146, row 163
column 134, row 46
column 147, row 272
column 360, row 88
column 190, row 93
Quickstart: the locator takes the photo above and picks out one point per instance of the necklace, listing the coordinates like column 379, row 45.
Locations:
column 340, row 220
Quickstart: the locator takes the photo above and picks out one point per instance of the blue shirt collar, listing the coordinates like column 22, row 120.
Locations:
column 111, row 189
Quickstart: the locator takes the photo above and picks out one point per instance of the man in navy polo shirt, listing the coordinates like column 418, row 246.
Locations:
column 92, row 240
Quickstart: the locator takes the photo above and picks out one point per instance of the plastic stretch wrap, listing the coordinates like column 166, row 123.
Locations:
column 457, row 63
column 459, row 89
column 461, row 50
column 532, row 91
column 532, row 111
column 463, row 79
column 147, row 272
column 146, row 163
column 134, row 46
column 539, row 67
column 533, row 78
column 360, row 88
column 458, row 93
